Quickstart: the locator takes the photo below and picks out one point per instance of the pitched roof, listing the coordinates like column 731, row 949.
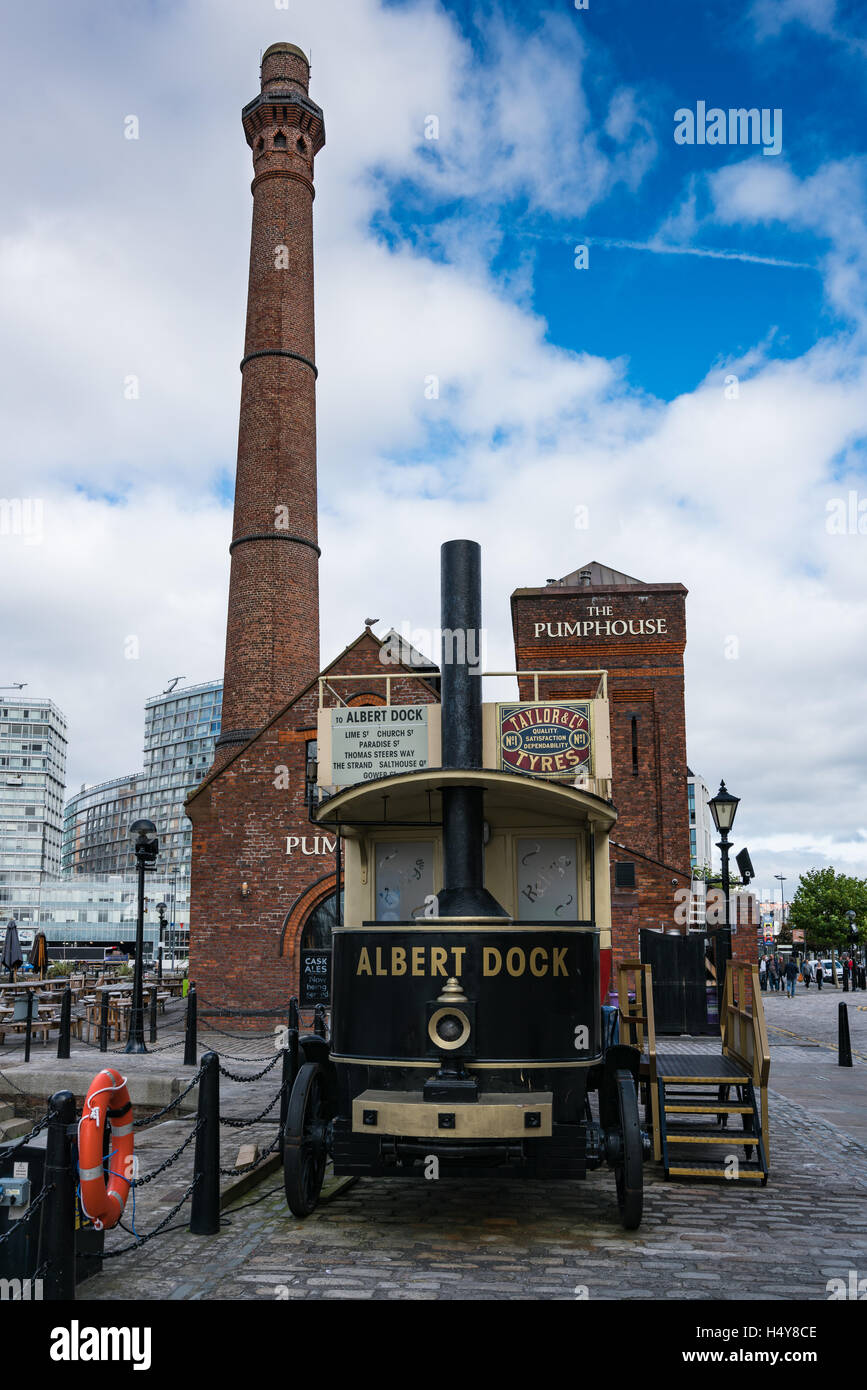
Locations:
column 601, row 575
column 242, row 748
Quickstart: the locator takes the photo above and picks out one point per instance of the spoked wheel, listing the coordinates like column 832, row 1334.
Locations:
column 304, row 1150
column 629, row 1167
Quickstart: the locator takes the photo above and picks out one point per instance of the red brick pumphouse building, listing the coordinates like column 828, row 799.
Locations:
column 265, row 879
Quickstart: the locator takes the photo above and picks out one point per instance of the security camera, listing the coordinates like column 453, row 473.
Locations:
column 674, row 882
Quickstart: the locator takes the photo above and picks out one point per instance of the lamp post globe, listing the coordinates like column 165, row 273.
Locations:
column 146, row 847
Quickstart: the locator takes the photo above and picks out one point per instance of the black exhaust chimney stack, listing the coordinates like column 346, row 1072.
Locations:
column 463, row 893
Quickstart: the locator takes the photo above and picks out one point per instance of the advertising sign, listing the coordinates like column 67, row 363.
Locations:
column 315, row 978
column 370, row 741
column 546, row 738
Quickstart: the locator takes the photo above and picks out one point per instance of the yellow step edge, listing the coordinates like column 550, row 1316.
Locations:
column 714, row 1173
column 669, row 1079
column 736, row 1139
column 709, row 1107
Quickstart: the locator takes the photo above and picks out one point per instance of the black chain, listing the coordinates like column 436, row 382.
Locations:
column 31, row 1211
column 158, row 1114
column 236, row 1037
column 248, row 1167
column 142, row 1240
column 26, row 1094
column 243, row 1124
column 235, row 1057
column 25, row 1139
column 222, row 1012
column 172, row 1158
column 254, row 1076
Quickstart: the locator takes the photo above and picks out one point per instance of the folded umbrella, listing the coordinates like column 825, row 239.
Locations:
column 12, row 957
column 39, row 953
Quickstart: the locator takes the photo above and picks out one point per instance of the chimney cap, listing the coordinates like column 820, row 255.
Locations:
column 286, row 48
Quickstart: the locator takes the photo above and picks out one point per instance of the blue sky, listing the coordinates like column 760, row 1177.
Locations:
column 711, row 307
column 599, row 391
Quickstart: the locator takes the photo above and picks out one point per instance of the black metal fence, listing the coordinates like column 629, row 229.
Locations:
column 60, row 1244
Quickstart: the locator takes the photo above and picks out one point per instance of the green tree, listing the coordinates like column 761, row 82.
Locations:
column 820, row 904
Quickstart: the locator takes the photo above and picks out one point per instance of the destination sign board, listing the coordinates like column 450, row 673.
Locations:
column 370, row 741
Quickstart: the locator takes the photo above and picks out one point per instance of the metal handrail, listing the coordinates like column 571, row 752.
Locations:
column 424, row 673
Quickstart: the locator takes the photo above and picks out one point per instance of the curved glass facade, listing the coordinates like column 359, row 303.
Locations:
column 181, row 729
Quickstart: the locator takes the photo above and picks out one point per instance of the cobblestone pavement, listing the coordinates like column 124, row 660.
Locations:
column 387, row 1239
column 390, row 1239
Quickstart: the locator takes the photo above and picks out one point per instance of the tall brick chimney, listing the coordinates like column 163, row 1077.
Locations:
column 272, row 632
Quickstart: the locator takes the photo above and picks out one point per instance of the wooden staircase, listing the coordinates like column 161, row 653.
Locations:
column 694, row 1101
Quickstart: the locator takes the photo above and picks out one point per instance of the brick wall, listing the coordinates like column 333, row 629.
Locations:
column 244, row 951
column 637, row 633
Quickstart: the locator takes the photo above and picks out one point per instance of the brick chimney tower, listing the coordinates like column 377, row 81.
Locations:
column 272, row 632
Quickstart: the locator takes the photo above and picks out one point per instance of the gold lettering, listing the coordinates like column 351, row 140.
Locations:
column 438, row 956
column 516, row 961
column 492, row 961
column 364, row 967
column 546, row 764
column 542, row 954
column 418, row 960
column 560, row 960
column 458, row 953
column 398, row 960
column 380, row 968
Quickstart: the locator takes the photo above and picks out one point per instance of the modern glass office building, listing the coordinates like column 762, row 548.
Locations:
column 32, row 778
column 700, row 824
column 84, row 916
column 181, row 729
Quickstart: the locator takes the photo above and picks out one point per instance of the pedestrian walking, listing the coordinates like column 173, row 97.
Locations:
column 806, row 973
column 820, row 975
column 846, row 977
column 791, row 977
column 763, row 973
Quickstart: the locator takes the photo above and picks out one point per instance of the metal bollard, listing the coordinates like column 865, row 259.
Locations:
column 28, row 1025
column 153, row 1011
column 205, row 1211
column 65, row 1024
column 844, row 1045
column 103, row 1020
column 58, row 1230
column 294, row 1021
column 191, row 1029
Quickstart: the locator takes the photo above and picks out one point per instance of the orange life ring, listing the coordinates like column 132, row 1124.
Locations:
column 107, row 1098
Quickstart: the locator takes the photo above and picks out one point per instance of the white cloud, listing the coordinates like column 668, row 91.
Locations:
column 133, row 259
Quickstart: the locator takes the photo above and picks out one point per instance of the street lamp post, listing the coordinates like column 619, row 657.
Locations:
column 723, row 808
column 161, row 909
column 782, row 879
column 146, row 850
column 853, row 947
